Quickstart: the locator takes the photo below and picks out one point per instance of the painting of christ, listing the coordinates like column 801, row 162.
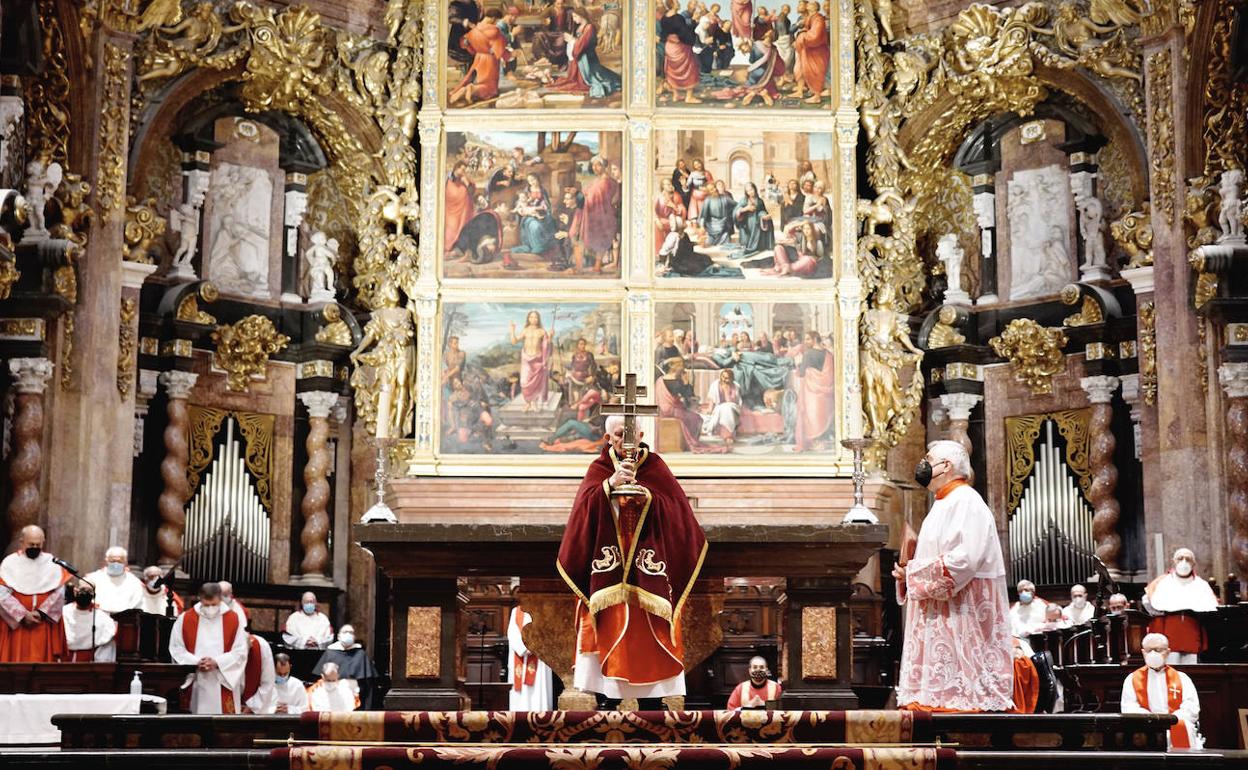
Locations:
column 741, row 203
column 745, row 378
column 527, row 378
column 745, row 53
column 532, row 204
column 545, row 55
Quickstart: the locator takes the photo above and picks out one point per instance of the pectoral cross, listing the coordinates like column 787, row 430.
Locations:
column 629, row 391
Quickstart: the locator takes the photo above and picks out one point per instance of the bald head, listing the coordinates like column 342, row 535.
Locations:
column 329, row 672
column 1184, row 562
column 1117, row 602
column 758, row 669
column 31, row 541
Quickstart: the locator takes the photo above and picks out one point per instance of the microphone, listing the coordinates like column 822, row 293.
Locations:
column 68, row 567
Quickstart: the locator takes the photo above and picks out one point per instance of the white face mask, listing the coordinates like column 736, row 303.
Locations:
column 347, row 639
column 210, row 611
column 1183, row 568
column 1154, row 659
column 1079, row 602
column 114, row 569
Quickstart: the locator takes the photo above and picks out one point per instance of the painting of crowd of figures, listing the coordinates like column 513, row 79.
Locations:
column 707, row 268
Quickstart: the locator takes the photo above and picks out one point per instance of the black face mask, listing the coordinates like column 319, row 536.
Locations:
column 923, row 473
column 33, row 552
column 83, row 600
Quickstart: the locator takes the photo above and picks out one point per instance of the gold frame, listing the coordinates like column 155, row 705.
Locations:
column 638, row 289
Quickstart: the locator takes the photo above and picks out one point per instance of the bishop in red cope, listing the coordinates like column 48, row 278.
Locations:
column 631, row 561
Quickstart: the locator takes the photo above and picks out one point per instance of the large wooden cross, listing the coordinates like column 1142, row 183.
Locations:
column 628, row 407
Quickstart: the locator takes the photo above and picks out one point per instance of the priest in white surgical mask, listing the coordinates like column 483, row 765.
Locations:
column 117, row 589
column 1161, row 689
column 1180, row 590
column 1079, row 611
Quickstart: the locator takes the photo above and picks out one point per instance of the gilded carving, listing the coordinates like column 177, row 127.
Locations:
column 111, row 184
column 67, row 349
column 143, row 229
column 1226, row 102
column 1089, row 311
column 1161, row 132
column 384, row 375
column 335, row 331
column 887, row 353
column 127, row 341
column 1147, row 350
column 423, row 659
column 243, row 349
column 1134, row 235
column 74, row 214
column 8, row 276
column 818, row 643
column 257, row 431
column 943, row 334
column 1034, row 353
column 1021, row 433
column 47, row 94
column 188, row 309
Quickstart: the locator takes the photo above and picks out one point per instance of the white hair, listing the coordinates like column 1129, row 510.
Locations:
column 116, row 551
column 1188, row 552
column 1154, row 639
column 1077, row 585
column 330, row 665
column 612, row 422
column 955, row 453
column 1112, row 597
column 1023, row 582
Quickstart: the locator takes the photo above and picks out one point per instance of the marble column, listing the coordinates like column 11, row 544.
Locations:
column 959, row 407
column 172, row 502
column 30, row 379
column 315, row 505
column 1105, row 508
column 1234, row 380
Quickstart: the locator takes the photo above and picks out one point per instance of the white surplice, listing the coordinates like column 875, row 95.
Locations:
column 264, row 699
column 1027, row 619
column 527, row 697
column 210, row 643
column 340, row 696
column 116, row 594
column 1171, row 593
column 1158, row 702
column 300, row 627
column 77, row 624
column 1077, row 617
column 291, row 694
column 156, row 603
column 957, row 652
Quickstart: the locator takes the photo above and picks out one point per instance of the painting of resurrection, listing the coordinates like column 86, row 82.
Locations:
column 744, row 53
column 534, row 56
column 527, row 377
column 532, row 204
column 748, row 378
column 743, row 203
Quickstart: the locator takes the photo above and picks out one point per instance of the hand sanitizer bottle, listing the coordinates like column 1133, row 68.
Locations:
column 136, row 685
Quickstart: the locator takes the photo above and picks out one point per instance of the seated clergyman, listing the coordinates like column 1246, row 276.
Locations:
column 757, row 691
column 1157, row 688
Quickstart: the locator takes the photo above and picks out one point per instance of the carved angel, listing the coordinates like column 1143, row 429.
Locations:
column 910, row 71
column 160, row 13
column 321, row 257
column 1122, row 13
column 174, row 48
column 886, row 352
column 386, row 349
column 41, row 181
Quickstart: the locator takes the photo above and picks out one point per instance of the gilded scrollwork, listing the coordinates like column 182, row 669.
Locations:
column 142, row 231
column 1147, row 351
column 47, row 94
column 1034, row 352
column 1089, row 311
column 127, row 343
column 943, row 333
column 1161, row 132
column 188, row 308
column 335, row 331
column 243, row 349
column 1134, row 235
column 114, row 114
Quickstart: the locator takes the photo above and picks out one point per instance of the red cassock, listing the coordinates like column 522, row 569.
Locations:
column 814, row 53
column 31, row 585
column 632, row 573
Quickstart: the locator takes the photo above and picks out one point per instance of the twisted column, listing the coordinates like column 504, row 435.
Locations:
column 315, row 505
column 1105, row 508
column 30, row 379
column 959, row 407
column 1234, row 380
column 177, row 490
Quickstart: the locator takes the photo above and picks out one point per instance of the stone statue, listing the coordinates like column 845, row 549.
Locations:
column 950, row 253
column 321, row 258
column 41, row 181
column 184, row 220
column 985, row 207
column 383, row 398
column 1092, row 228
column 1229, row 216
column 238, row 261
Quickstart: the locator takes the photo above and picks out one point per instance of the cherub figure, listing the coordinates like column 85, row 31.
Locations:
column 41, row 181
column 184, row 220
column 321, row 257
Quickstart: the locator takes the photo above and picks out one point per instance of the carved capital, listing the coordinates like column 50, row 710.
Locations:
column 1100, row 389
column 178, row 384
column 196, row 186
column 30, row 375
column 960, row 405
column 148, row 381
column 1130, row 389
column 1234, row 379
column 319, row 402
column 296, row 206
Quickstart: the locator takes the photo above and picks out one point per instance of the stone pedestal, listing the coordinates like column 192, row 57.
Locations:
column 30, row 379
column 512, row 527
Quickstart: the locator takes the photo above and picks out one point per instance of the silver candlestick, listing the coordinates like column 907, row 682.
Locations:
column 859, row 513
column 380, row 511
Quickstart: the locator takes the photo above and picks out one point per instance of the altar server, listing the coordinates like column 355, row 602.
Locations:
column 211, row 638
column 531, row 687
column 1079, row 611
column 957, row 654
column 756, row 691
column 31, row 602
column 307, row 628
column 1027, row 614
column 1180, row 589
column 1157, row 688
column 89, row 630
column 259, row 677
column 116, row 588
column 332, row 693
column 157, row 596
column 291, row 697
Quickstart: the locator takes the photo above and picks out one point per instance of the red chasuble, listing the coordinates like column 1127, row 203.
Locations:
column 632, row 570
